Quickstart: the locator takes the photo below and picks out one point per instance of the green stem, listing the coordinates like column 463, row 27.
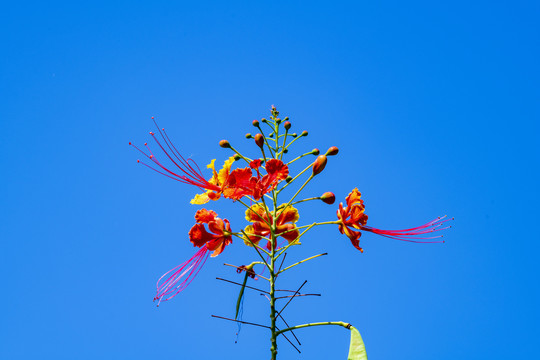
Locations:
column 294, row 178
column 338, row 323
column 302, row 261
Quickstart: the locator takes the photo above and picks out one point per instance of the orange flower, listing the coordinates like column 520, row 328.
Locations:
column 352, row 219
column 219, row 235
column 179, row 277
column 260, row 217
column 242, row 183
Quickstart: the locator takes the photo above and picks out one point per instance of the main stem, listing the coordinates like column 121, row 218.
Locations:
column 273, row 339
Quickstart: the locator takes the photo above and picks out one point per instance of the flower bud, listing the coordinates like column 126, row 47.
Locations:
column 287, row 125
column 271, row 135
column 328, row 197
column 255, row 123
column 332, row 151
column 319, row 164
column 286, row 118
column 248, row 136
column 315, row 151
column 294, row 135
column 264, row 120
column 288, row 179
column 304, row 133
column 285, row 151
column 224, row 144
column 259, row 140
column 237, row 157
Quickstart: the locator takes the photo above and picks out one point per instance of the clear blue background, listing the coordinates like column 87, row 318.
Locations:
column 434, row 108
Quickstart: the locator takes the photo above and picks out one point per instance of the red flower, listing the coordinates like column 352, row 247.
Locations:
column 285, row 224
column 233, row 185
column 352, row 220
column 215, row 240
column 243, row 183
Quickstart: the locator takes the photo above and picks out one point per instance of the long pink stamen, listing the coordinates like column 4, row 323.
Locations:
column 191, row 173
column 414, row 234
column 170, row 287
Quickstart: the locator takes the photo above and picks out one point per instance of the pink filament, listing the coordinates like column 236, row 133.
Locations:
column 171, row 287
column 191, row 173
column 414, row 234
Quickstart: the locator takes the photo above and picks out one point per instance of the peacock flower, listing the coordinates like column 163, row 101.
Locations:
column 261, row 220
column 216, row 239
column 218, row 178
column 352, row 221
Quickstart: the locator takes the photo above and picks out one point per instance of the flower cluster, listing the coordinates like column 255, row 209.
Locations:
column 254, row 186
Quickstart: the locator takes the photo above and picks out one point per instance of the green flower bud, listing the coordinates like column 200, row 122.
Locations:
column 315, row 151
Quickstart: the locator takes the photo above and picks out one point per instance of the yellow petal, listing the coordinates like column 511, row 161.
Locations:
column 200, row 199
column 254, row 239
column 255, row 213
column 290, row 214
column 225, row 171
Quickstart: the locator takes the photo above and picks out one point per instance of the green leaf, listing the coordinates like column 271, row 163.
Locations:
column 239, row 301
column 357, row 350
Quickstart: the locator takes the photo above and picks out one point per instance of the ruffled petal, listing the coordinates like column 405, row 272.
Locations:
column 288, row 234
column 250, row 234
column 354, row 197
column 223, row 175
column 205, row 216
column 290, row 214
column 277, row 169
column 199, row 236
column 256, row 213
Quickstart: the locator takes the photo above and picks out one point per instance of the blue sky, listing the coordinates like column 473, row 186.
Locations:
column 434, row 108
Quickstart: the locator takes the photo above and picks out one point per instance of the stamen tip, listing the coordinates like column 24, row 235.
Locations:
column 138, row 161
column 152, row 118
column 130, row 143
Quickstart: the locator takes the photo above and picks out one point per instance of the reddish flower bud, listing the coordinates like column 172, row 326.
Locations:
column 259, row 140
column 255, row 123
column 332, row 151
column 237, row 157
column 328, row 198
column 224, row 144
column 304, row 133
column 319, row 164
column 287, row 125
column 315, row 151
